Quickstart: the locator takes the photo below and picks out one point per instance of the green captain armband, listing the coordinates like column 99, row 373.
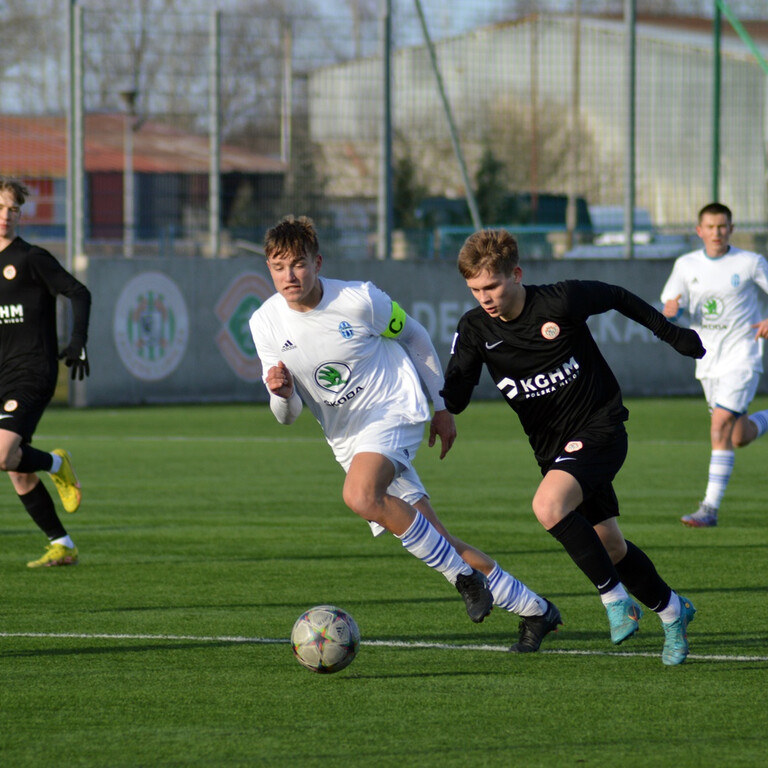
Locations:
column 396, row 322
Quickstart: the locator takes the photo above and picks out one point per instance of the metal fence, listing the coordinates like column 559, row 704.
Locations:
column 194, row 130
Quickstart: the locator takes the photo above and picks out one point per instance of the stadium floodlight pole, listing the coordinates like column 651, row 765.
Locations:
column 716, row 81
column 471, row 200
column 129, row 102
column 629, row 180
column 214, row 119
column 386, row 200
column 75, row 170
column 286, row 95
column 571, row 218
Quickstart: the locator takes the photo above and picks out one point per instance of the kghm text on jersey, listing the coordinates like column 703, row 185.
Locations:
column 541, row 383
column 11, row 313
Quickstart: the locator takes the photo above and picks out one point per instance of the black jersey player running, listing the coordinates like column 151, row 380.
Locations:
column 536, row 345
column 31, row 280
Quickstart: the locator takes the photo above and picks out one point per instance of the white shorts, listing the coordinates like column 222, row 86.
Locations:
column 399, row 443
column 733, row 392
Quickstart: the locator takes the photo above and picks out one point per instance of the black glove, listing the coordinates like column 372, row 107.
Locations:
column 688, row 343
column 76, row 358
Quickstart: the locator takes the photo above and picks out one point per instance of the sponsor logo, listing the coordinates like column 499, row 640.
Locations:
column 9, row 272
column 573, row 446
column 564, row 458
column 344, row 398
column 11, row 313
column 332, row 377
column 550, row 330
column 11, row 405
column 345, row 329
column 540, row 384
column 495, row 344
column 288, row 346
column 735, row 281
column 151, row 326
column 712, row 308
column 244, row 295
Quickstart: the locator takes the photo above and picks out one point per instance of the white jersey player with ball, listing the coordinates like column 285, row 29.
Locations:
column 357, row 383
column 720, row 286
column 357, row 361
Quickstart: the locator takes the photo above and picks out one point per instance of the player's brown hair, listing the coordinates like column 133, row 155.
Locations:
column 491, row 250
column 292, row 235
column 716, row 209
column 16, row 188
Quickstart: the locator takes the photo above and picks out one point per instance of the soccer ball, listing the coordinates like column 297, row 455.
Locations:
column 325, row 639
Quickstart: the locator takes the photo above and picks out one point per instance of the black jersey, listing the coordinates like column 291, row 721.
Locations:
column 546, row 363
column 30, row 280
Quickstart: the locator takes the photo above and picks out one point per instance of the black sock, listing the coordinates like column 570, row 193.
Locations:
column 39, row 505
column 33, row 460
column 640, row 577
column 582, row 543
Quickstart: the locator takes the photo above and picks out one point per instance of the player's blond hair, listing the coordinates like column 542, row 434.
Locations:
column 291, row 235
column 16, row 188
column 488, row 250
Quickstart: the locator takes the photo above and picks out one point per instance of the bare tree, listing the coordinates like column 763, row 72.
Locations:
column 33, row 45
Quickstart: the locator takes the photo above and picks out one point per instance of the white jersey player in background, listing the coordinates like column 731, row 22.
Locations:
column 355, row 358
column 718, row 286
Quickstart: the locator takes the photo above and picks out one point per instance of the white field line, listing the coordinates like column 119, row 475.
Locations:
column 290, row 439
column 234, row 639
column 181, row 439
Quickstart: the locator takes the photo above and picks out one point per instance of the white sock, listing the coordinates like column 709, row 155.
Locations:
column 760, row 420
column 65, row 540
column 720, row 469
column 56, row 466
column 512, row 595
column 423, row 541
column 672, row 611
column 617, row 593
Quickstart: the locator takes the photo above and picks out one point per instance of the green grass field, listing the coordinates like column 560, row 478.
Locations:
column 205, row 531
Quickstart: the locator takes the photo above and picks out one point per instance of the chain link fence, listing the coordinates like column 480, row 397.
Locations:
column 201, row 128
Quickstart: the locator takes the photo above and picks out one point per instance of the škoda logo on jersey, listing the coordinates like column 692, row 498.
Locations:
column 540, row 383
column 334, row 377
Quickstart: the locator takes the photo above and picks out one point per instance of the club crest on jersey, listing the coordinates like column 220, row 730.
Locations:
column 573, row 446
column 550, row 330
column 10, row 406
column 345, row 329
column 9, row 272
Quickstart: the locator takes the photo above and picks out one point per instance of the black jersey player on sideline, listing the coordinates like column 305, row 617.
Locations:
column 536, row 345
column 31, row 280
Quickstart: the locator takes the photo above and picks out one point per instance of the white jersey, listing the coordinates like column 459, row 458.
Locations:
column 723, row 302
column 347, row 373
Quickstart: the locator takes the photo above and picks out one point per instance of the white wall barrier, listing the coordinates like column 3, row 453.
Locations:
column 176, row 330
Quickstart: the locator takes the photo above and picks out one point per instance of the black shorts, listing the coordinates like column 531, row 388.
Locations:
column 20, row 412
column 594, row 460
